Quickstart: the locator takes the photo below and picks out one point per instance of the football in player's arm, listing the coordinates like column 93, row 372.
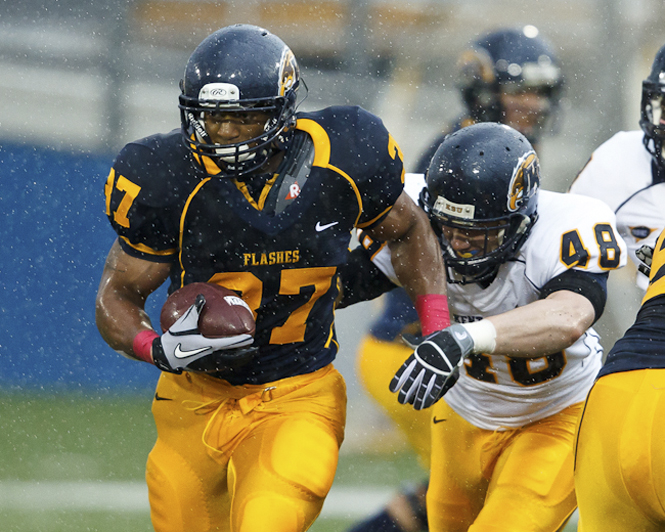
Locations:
column 258, row 198
column 527, row 272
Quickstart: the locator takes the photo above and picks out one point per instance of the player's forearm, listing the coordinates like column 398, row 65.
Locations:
column 125, row 285
column 416, row 259
column 544, row 326
column 119, row 321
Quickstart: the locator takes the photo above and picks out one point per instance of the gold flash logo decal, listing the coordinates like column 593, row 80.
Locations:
column 288, row 72
column 524, row 176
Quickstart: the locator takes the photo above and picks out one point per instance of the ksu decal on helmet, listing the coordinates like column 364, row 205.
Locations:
column 481, row 198
column 652, row 111
column 511, row 76
column 247, row 71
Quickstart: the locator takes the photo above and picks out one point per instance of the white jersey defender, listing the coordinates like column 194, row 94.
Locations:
column 496, row 391
column 620, row 174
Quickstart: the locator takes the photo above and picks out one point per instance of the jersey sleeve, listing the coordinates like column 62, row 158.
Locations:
column 606, row 175
column 572, row 232
column 138, row 204
column 378, row 171
column 379, row 252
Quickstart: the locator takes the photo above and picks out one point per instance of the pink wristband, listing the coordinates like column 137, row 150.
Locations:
column 142, row 344
column 433, row 312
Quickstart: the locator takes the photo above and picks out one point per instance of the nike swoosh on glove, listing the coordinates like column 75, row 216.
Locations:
column 433, row 368
column 184, row 348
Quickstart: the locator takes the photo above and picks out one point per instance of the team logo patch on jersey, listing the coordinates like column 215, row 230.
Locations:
column 524, row 175
column 640, row 232
column 294, row 192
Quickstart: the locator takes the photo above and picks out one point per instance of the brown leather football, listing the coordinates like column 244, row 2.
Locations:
column 224, row 313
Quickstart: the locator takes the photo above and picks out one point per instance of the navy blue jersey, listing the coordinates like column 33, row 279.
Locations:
column 643, row 344
column 165, row 207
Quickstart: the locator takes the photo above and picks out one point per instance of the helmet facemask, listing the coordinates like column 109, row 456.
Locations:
column 652, row 120
column 492, row 242
column 241, row 158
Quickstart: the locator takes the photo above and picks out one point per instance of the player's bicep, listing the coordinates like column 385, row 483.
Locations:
column 402, row 218
column 130, row 278
column 575, row 308
column 590, row 286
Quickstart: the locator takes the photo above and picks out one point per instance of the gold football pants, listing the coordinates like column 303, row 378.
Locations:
column 516, row 480
column 244, row 458
column 620, row 455
column 377, row 361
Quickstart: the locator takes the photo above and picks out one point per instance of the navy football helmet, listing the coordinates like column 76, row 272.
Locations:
column 509, row 61
column 483, row 179
column 240, row 69
column 652, row 115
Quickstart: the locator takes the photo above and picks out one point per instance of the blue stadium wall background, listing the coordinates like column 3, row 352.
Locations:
column 55, row 237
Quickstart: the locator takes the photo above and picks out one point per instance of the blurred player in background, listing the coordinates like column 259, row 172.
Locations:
column 620, row 454
column 509, row 76
column 527, row 275
column 252, row 196
column 628, row 171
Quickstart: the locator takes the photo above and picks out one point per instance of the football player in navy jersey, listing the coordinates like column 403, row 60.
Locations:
column 510, row 76
column 256, row 197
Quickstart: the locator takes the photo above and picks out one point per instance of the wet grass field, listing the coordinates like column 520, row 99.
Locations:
column 70, row 463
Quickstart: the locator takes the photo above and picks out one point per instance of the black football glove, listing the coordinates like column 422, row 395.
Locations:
column 433, row 368
column 645, row 254
column 183, row 347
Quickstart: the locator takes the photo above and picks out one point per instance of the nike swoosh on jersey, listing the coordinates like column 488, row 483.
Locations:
column 179, row 353
column 320, row 227
column 435, row 421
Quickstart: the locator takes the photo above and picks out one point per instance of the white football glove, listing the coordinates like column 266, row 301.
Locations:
column 184, row 348
column 433, row 368
column 645, row 254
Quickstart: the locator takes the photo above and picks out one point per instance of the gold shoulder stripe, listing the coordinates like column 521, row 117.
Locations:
column 367, row 224
column 148, row 250
column 353, row 186
column 320, row 138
